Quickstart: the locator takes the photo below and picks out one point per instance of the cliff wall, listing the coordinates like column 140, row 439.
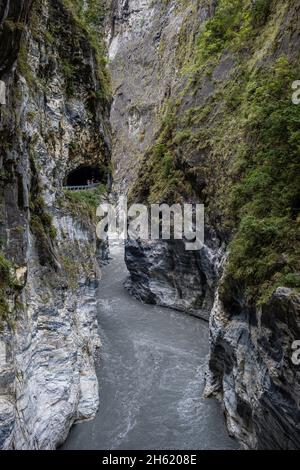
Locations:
column 55, row 120
column 203, row 113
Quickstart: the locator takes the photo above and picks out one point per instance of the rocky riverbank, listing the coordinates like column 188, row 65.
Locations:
column 203, row 113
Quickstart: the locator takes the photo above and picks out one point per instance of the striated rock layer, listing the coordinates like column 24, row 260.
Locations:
column 164, row 273
column 141, row 37
column 55, row 119
column 203, row 113
column 251, row 369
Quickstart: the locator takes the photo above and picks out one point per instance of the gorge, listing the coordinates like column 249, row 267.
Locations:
column 168, row 101
column 151, row 373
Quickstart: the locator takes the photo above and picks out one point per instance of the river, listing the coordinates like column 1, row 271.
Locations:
column 151, row 373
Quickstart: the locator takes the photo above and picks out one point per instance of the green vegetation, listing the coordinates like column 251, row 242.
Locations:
column 85, row 202
column 9, row 287
column 85, row 18
column 69, row 72
column 238, row 150
column 265, row 197
column 228, row 28
column 162, row 177
column 71, row 268
column 261, row 10
column 3, row 307
column 5, row 270
column 6, row 282
column 14, row 25
column 233, row 27
column 23, row 66
column 41, row 220
column 88, row 16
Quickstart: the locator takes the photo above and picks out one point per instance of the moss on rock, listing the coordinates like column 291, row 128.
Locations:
column 231, row 140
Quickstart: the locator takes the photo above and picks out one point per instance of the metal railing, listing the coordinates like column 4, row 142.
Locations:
column 86, row 187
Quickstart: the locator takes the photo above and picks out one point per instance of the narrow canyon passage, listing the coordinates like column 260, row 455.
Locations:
column 151, row 373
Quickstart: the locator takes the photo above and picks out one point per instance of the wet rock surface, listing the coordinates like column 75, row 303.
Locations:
column 55, row 122
column 252, row 371
column 251, row 350
column 151, row 374
column 52, row 123
column 142, row 36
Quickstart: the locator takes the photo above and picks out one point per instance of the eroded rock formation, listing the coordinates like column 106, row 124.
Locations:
column 203, row 113
column 55, row 119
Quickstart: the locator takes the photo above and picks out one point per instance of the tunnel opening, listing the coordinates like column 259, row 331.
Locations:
column 85, row 176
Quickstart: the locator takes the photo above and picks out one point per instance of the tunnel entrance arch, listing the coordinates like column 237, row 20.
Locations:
column 84, row 176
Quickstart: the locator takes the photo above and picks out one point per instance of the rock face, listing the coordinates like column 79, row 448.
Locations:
column 17, row 12
column 51, row 352
column 202, row 113
column 142, row 38
column 55, row 120
column 199, row 89
column 252, row 370
column 164, row 273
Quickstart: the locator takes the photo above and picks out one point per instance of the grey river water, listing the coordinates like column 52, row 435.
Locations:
column 151, row 374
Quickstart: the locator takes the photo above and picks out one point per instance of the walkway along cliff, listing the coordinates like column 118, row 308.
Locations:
column 54, row 121
column 200, row 106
